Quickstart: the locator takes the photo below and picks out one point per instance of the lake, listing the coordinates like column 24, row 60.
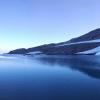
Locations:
column 49, row 77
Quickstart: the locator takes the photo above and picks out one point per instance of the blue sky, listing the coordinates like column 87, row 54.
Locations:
column 28, row 23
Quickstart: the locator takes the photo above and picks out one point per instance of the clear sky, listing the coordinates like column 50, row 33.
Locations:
column 28, row 23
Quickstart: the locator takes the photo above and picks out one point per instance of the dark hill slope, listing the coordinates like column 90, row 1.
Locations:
column 73, row 46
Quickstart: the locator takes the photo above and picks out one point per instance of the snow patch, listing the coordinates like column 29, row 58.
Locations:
column 95, row 51
column 91, row 41
column 35, row 52
column 98, row 54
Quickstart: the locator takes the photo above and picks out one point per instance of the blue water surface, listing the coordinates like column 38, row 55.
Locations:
column 49, row 77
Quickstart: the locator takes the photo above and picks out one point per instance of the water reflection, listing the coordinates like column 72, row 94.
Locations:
column 89, row 65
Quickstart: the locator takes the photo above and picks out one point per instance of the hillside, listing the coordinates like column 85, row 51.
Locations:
column 77, row 45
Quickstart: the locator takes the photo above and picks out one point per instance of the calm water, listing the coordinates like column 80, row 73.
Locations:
column 49, row 78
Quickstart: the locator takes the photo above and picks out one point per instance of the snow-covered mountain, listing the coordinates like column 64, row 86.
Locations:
column 85, row 44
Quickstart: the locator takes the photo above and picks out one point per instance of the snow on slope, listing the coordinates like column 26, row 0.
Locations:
column 95, row 51
column 91, row 41
column 98, row 53
column 35, row 52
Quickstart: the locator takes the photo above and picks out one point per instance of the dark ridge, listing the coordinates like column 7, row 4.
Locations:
column 18, row 51
column 95, row 34
column 55, row 49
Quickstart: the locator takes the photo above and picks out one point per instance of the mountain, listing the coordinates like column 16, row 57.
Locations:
column 85, row 44
column 93, row 35
column 41, row 48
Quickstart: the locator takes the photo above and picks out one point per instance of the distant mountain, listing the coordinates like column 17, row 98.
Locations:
column 41, row 48
column 80, row 45
column 92, row 35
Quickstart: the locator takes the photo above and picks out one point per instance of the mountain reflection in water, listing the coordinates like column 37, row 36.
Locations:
column 49, row 77
column 89, row 65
